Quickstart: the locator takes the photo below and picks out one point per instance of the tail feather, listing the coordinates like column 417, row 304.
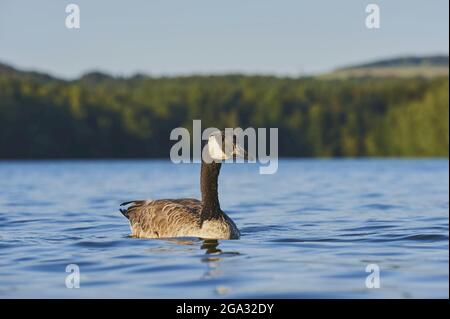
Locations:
column 136, row 202
column 125, row 211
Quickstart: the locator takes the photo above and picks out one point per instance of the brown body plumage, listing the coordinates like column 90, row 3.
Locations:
column 187, row 217
column 164, row 218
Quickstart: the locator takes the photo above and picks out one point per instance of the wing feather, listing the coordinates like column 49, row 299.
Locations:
column 164, row 217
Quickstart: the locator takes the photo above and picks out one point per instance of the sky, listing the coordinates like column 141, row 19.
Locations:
column 179, row 37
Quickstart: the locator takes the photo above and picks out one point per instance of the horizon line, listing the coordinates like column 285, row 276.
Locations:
column 132, row 74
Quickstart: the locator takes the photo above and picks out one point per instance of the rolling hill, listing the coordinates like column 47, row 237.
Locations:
column 409, row 66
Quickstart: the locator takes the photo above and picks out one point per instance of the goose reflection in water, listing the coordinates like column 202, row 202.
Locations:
column 213, row 257
column 213, row 254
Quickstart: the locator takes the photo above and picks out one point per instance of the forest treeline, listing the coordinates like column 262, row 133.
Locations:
column 99, row 116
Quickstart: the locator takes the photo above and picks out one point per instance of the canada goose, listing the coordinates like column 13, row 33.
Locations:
column 188, row 217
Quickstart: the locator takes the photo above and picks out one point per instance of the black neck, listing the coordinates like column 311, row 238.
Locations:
column 208, row 186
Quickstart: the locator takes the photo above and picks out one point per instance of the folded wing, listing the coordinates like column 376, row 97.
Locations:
column 164, row 217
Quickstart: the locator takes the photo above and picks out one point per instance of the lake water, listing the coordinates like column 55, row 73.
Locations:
column 308, row 231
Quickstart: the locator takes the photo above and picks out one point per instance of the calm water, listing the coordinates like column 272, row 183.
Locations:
column 308, row 231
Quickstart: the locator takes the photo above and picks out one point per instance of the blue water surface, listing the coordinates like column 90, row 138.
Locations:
column 308, row 231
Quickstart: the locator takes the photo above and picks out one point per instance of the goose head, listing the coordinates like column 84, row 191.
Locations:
column 222, row 146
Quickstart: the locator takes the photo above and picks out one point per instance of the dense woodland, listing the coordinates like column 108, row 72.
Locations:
column 98, row 116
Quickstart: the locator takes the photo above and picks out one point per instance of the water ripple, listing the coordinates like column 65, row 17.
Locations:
column 308, row 231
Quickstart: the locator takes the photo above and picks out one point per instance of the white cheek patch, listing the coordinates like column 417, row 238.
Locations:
column 215, row 149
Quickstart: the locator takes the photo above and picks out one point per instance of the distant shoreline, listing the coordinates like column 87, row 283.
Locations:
column 99, row 116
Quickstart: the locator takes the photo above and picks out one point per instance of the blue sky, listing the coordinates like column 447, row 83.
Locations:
column 168, row 37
